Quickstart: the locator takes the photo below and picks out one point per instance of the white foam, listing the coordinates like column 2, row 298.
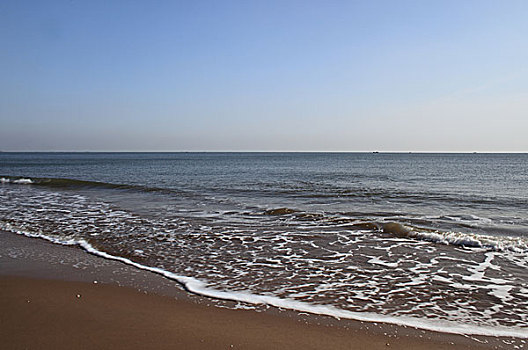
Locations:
column 23, row 181
column 4, row 180
column 199, row 287
column 502, row 292
column 378, row 261
column 467, row 219
column 502, row 243
column 480, row 270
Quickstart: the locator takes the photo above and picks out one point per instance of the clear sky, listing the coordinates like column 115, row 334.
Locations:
column 264, row 75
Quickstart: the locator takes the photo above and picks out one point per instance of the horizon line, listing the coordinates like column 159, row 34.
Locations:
column 262, row 151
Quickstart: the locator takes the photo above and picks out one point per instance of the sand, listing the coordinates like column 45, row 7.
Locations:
column 48, row 300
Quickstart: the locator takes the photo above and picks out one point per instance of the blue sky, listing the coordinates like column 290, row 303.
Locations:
column 264, row 75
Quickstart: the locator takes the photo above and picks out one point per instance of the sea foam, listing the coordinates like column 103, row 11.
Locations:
column 20, row 181
column 473, row 240
column 199, row 287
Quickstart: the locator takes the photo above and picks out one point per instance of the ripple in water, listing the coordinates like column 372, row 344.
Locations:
column 320, row 260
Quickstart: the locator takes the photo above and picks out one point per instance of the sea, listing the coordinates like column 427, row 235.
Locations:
column 435, row 241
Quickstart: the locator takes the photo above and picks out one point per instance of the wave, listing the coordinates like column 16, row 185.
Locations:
column 309, row 192
column 66, row 183
column 21, row 181
column 470, row 240
column 280, row 211
column 199, row 287
column 63, row 183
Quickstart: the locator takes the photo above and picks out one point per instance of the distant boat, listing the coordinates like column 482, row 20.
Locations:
column 375, row 152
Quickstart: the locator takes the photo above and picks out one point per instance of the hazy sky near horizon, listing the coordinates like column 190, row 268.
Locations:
column 264, row 75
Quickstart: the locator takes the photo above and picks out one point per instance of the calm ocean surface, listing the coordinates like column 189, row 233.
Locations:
column 438, row 241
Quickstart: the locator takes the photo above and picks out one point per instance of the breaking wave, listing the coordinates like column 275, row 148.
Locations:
column 20, row 181
column 401, row 230
column 471, row 240
column 494, row 243
column 73, row 184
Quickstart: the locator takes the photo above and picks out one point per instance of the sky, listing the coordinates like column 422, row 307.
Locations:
column 264, row 75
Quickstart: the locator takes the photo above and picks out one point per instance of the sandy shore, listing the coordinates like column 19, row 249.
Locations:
column 49, row 300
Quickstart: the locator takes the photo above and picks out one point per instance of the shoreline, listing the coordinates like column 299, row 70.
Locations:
column 33, row 268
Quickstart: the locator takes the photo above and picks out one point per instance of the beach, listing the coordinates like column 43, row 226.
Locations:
column 322, row 251
column 60, row 297
column 264, row 175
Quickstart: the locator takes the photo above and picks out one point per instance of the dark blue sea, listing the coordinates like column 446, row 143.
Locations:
column 438, row 241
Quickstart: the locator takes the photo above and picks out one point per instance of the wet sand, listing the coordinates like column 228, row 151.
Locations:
column 56, row 297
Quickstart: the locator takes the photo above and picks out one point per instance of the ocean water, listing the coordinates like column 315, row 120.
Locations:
column 437, row 241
